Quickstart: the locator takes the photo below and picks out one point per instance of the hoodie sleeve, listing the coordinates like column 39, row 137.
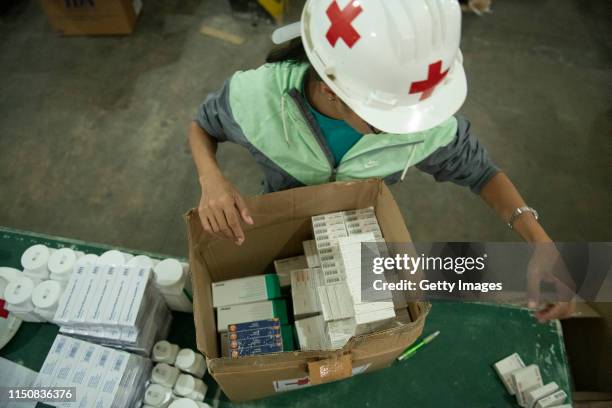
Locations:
column 214, row 114
column 464, row 161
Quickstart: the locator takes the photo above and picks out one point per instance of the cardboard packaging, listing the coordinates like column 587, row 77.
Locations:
column 92, row 17
column 282, row 223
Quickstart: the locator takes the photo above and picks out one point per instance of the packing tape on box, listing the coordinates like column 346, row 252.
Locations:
column 331, row 369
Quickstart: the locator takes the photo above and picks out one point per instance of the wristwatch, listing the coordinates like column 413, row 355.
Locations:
column 518, row 212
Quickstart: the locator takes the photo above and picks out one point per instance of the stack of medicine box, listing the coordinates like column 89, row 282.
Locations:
column 247, row 300
column 334, row 288
column 526, row 384
column 118, row 306
column 103, row 377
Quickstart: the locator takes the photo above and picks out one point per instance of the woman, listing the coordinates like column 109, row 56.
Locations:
column 368, row 89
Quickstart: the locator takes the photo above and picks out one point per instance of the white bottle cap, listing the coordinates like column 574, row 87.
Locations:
column 19, row 291
column 185, row 385
column 112, row 257
column 89, row 259
column 184, row 403
column 9, row 274
column 164, row 374
column 168, row 272
column 164, row 351
column 142, row 261
column 35, row 258
column 47, row 294
column 62, row 261
column 157, row 395
column 185, row 359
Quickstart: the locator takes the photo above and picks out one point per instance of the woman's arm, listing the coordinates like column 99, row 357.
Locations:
column 500, row 194
column 221, row 206
column 503, row 197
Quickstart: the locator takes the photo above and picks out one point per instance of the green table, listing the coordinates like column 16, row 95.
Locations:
column 453, row 371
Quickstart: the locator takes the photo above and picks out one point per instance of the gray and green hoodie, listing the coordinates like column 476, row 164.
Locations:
column 264, row 111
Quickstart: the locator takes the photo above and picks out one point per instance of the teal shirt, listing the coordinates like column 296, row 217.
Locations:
column 340, row 136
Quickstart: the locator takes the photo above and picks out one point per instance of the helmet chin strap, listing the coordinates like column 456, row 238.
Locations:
column 286, row 33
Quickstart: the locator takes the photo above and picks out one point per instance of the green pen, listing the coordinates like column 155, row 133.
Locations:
column 410, row 351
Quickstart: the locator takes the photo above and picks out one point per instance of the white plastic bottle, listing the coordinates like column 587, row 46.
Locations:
column 61, row 263
column 114, row 257
column 165, row 374
column 45, row 298
column 18, row 296
column 190, row 387
column 158, row 396
column 191, row 362
column 165, row 352
column 173, row 281
column 11, row 323
column 188, row 403
column 34, row 261
column 142, row 261
column 89, row 259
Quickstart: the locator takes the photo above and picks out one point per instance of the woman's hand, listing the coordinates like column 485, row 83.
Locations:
column 221, row 209
column 547, row 265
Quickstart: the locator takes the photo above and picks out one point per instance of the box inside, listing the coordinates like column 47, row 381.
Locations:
column 282, row 223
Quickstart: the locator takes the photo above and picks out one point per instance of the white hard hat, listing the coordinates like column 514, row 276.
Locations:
column 395, row 63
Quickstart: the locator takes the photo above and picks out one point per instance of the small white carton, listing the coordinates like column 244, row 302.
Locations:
column 304, row 283
column 525, row 379
column 505, row 367
column 552, row 400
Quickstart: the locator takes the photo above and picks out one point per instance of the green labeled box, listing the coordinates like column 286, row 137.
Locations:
column 245, row 290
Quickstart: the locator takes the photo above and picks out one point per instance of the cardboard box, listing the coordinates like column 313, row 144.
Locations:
column 92, row 17
column 282, row 223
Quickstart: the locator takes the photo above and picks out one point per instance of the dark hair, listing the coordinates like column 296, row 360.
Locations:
column 290, row 51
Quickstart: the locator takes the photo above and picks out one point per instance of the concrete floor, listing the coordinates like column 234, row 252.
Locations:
column 93, row 130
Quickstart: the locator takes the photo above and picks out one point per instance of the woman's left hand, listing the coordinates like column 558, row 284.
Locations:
column 547, row 265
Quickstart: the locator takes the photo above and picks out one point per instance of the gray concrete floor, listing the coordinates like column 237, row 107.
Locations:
column 93, row 130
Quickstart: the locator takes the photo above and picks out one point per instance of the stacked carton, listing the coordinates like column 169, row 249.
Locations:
column 327, row 296
column 103, row 377
column 525, row 382
column 251, row 316
column 114, row 305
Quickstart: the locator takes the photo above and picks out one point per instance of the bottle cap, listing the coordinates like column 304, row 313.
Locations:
column 163, row 374
column 162, row 350
column 185, row 359
column 46, row 294
column 19, row 290
column 185, row 385
column 184, row 403
column 9, row 274
column 89, row 259
column 142, row 261
column 112, row 257
column 35, row 257
column 62, row 261
column 157, row 395
column 168, row 272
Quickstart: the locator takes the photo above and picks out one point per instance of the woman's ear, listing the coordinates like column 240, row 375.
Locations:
column 327, row 91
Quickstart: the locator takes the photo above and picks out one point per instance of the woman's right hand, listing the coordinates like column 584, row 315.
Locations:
column 221, row 209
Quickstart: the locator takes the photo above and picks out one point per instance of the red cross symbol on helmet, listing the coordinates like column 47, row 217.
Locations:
column 434, row 77
column 341, row 23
